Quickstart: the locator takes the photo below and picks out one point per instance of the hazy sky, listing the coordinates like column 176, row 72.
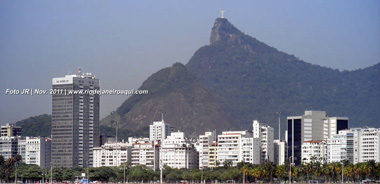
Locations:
column 124, row 42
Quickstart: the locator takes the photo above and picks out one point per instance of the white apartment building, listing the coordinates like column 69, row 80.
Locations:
column 112, row 154
column 205, row 141
column 314, row 151
column 337, row 148
column 279, row 152
column 37, row 151
column 8, row 147
column 145, row 153
column 266, row 135
column 177, row 152
column 250, row 151
column 366, row 143
column 159, row 130
column 230, row 146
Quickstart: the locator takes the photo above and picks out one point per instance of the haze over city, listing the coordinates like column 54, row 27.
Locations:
column 124, row 42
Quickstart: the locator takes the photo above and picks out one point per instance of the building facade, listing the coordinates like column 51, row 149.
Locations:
column 75, row 120
column 313, row 125
column 266, row 135
column 313, row 151
column 230, row 146
column 145, row 153
column 205, row 142
column 8, row 147
column 178, row 152
column 366, row 143
column 112, row 154
column 10, row 130
column 37, row 151
column 279, row 151
column 159, row 130
column 250, row 150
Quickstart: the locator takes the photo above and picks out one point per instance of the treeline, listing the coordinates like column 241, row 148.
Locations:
column 253, row 173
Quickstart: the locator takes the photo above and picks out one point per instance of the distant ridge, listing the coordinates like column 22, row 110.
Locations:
column 186, row 103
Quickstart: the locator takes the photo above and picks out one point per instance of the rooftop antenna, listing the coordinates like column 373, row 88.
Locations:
column 162, row 117
column 222, row 14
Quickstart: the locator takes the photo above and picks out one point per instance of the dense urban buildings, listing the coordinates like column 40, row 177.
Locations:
column 313, row 125
column 75, row 120
column 333, row 143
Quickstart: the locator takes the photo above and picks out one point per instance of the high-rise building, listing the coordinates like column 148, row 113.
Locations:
column 279, row 152
column 213, row 156
column 8, row 147
column 366, row 143
column 205, row 142
column 313, row 125
column 238, row 146
column 159, row 130
column 75, row 120
column 178, row 152
column 37, row 151
column 10, row 130
column 337, row 147
column 249, row 150
column 145, row 153
column 266, row 135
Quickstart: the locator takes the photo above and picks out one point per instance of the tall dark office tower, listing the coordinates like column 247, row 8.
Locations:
column 75, row 120
column 313, row 125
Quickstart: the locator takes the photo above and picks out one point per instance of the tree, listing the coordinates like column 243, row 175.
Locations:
column 227, row 164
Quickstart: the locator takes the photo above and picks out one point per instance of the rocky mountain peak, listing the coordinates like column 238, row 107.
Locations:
column 223, row 31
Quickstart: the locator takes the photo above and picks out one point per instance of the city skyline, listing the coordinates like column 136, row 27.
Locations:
column 43, row 40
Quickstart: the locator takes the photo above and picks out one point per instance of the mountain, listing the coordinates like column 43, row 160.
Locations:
column 36, row 126
column 252, row 80
column 183, row 100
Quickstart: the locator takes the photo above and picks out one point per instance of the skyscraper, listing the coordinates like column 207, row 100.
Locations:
column 75, row 120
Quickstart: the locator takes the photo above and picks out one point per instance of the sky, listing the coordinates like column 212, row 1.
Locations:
column 124, row 42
